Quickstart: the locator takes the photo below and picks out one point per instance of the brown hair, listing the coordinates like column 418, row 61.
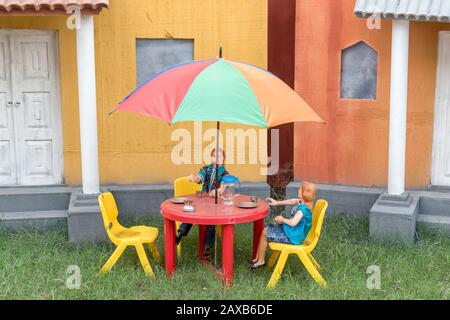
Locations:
column 313, row 190
column 221, row 151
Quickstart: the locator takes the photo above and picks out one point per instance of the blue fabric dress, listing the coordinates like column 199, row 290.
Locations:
column 292, row 235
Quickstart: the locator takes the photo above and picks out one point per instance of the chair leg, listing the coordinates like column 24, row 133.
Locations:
column 144, row 261
column 314, row 261
column 273, row 258
column 311, row 269
column 177, row 226
column 113, row 259
column 278, row 270
column 155, row 252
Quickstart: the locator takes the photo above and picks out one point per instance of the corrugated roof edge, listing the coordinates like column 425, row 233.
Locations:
column 425, row 10
column 27, row 7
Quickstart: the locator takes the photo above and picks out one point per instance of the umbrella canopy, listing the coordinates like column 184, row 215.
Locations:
column 218, row 90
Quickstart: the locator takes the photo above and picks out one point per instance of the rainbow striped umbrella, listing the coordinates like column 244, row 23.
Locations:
column 218, row 90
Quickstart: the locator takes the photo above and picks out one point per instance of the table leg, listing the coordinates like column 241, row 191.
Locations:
column 227, row 254
column 201, row 241
column 258, row 227
column 169, row 246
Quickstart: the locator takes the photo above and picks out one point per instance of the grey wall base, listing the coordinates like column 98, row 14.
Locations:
column 48, row 207
column 355, row 201
column 394, row 218
column 44, row 220
column 390, row 217
column 85, row 223
column 34, row 208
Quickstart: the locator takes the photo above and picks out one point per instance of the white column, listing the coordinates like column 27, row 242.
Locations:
column 398, row 108
column 87, row 105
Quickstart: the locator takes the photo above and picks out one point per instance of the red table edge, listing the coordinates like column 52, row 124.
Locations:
column 254, row 214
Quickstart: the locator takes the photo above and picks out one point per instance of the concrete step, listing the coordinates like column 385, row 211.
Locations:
column 433, row 219
column 85, row 203
column 87, row 197
column 435, row 204
column 30, row 215
column 33, row 219
column 436, row 222
column 34, row 199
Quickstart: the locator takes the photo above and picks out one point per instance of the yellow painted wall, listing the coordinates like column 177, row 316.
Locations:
column 135, row 149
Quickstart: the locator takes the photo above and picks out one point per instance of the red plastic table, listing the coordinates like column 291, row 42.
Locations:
column 208, row 213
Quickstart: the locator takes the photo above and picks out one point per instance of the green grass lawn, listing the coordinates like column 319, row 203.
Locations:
column 33, row 266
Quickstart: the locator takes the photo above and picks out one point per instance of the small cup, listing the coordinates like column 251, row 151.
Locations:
column 254, row 199
column 199, row 194
column 187, row 202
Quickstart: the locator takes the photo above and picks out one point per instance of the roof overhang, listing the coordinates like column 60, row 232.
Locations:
column 50, row 7
column 417, row 10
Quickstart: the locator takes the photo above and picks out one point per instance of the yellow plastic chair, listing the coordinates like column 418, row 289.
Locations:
column 281, row 251
column 183, row 186
column 123, row 237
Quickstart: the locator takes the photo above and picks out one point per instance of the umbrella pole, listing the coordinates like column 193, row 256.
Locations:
column 217, row 164
column 217, row 189
column 217, row 147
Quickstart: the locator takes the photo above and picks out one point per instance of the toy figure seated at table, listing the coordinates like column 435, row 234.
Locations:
column 207, row 176
column 291, row 231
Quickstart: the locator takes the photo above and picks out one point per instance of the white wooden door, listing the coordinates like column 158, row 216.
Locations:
column 35, row 110
column 440, row 175
column 8, row 171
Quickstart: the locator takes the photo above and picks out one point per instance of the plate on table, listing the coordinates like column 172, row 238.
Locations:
column 247, row 204
column 178, row 200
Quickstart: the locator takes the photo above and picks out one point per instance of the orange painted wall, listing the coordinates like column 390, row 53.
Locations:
column 352, row 148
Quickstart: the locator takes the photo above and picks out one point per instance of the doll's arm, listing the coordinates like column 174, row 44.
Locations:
column 293, row 221
column 289, row 202
column 195, row 178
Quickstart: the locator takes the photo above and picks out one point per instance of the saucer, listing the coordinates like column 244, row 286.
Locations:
column 178, row 200
column 247, row 204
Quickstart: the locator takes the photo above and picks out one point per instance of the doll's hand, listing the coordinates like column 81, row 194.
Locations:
column 193, row 178
column 271, row 202
column 278, row 219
